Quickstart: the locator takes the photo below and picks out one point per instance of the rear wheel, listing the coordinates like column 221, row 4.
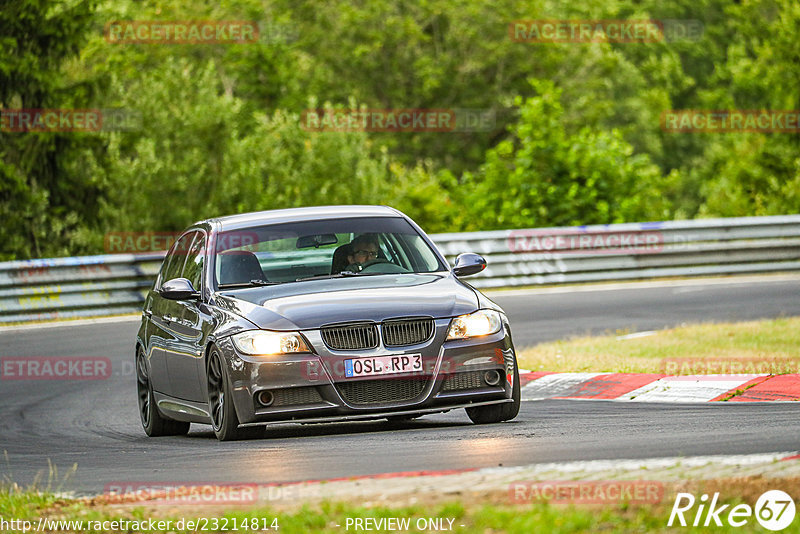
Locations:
column 153, row 422
column 220, row 402
column 496, row 413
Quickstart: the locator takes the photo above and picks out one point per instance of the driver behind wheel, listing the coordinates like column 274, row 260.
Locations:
column 365, row 249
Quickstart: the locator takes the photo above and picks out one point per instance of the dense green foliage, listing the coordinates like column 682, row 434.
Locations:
column 576, row 139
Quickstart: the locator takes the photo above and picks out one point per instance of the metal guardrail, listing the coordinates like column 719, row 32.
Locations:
column 702, row 247
column 60, row 288
column 65, row 288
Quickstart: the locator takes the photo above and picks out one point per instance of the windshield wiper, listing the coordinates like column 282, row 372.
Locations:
column 343, row 274
column 251, row 283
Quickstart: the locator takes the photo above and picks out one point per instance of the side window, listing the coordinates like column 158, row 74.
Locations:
column 193, row 268
column 177, row 257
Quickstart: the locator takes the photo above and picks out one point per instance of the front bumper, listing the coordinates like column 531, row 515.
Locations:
column 312, row 387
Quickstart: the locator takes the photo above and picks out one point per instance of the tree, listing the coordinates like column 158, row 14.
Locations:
column 546, row 176
column 745, row 174
column 49, row 202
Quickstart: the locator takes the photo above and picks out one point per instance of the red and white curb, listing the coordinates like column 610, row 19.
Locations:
column 644, row 387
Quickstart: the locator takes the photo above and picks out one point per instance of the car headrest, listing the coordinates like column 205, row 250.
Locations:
column 339, row 261
column 239, row 266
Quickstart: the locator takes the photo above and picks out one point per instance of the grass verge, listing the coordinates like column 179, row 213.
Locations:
column 492, row 514
column 768, row 346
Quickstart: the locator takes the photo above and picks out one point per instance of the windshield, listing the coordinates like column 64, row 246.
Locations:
column 328, row 248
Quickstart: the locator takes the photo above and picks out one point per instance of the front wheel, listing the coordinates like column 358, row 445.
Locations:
column 153, row 422
column 220, row 403
column 496, row 413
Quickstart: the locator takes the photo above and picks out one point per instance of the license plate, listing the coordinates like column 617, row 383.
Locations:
column 383, row 365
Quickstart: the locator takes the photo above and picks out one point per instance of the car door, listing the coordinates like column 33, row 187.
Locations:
column 185, row 364
column 163, row 338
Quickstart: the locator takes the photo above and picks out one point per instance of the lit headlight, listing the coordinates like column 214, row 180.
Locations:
column 479, row 323
column 262, row 342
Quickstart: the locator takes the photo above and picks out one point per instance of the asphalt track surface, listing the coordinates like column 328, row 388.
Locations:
column 95, row 424
column 538, row 316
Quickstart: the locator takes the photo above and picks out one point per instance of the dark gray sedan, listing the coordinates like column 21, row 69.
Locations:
column 314, row 315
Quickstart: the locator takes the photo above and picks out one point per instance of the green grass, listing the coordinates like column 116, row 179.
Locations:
column 330, row 517
column 771, row 346
column 23, row 504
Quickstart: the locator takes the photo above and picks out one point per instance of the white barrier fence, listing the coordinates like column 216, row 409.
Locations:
column 60, row 288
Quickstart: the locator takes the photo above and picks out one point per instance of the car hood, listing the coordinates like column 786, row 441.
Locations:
column 314, row 303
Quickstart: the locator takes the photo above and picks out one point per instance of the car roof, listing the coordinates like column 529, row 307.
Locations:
column 243, row 220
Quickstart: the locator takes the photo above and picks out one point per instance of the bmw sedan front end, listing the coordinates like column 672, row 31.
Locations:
column 314, row 315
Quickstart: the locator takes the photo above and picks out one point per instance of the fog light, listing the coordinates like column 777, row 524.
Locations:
column 265, row 398
column 492, row 377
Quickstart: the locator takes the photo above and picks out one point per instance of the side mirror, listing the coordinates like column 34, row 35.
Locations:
column 178, row 289
column 469, row 263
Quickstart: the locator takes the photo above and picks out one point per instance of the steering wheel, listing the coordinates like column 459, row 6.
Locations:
column 389, row 267
column 376, row 261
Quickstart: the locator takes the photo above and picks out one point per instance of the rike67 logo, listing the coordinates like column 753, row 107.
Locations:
column 774, row 510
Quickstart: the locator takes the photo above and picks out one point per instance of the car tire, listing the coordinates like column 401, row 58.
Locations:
column 153, row 422
column 220, row 403
column 497, row 413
